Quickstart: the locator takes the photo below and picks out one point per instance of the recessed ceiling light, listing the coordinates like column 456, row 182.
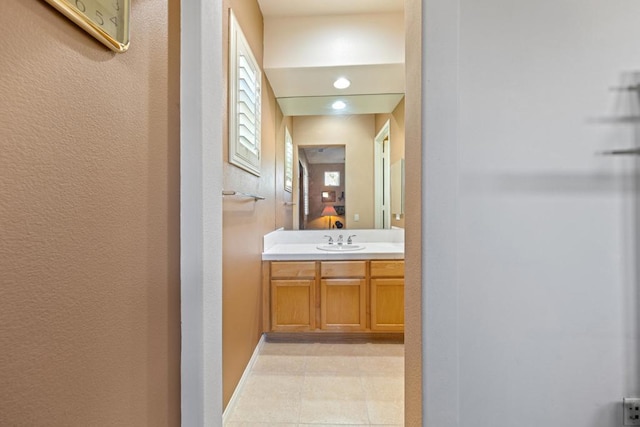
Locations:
column 338, row 105
column 341, row 83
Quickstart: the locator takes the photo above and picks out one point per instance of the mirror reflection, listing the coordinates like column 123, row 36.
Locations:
column 339, row 80
column 353, row 163
column 323, row 195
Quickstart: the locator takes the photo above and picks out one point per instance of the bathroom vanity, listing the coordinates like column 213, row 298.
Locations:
column 310, row 287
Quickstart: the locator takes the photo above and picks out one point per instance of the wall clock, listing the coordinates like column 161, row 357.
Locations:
column 106, row 20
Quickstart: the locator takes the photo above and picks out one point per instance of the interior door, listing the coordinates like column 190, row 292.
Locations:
column 382, row 172
column 302, row 193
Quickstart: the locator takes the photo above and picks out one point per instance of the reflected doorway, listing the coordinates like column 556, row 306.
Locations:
column 303, row 195
column 322, row 183
column 382, row 177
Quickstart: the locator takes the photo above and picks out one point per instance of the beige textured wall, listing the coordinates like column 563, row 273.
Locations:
column 396, row 131
column 89, row 213
column 357, row 133
column 245, row 221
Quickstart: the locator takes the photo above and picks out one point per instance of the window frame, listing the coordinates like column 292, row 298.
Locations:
column 245, row 118
column 326, row 181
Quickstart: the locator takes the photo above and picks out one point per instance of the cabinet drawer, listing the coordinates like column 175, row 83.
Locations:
column 344, row 269
column 387, row 268
column 293, row 269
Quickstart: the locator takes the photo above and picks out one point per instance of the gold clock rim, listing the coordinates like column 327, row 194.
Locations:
column 92, row 28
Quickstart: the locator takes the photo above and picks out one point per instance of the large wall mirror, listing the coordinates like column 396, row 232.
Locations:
column 338, row 75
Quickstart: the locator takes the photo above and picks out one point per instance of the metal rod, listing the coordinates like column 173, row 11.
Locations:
column 238, row 193
column 631, row 88
column 623, row 152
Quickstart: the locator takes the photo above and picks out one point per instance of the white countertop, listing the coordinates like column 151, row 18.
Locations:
column 308, row 251
column 287, row 245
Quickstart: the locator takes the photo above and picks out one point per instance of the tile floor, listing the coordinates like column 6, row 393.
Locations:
column 322, row 385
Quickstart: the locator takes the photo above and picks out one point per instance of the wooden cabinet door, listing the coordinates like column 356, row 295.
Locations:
column 387, row 304
column 292, row 305
column 343, row 304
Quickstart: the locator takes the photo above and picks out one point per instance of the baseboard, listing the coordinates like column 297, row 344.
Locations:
column 236, row 393
column 335, row 337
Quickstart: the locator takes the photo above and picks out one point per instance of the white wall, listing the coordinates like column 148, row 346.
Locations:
column 531, row 284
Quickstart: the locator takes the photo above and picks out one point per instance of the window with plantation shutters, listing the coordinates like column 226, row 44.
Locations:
column 288, row 161
column 305, row 194
column 245, row 78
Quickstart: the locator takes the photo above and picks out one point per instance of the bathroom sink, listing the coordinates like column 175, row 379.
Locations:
column 340, row 248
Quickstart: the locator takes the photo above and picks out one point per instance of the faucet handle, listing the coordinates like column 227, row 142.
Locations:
column 330, row 239
column 349, row 241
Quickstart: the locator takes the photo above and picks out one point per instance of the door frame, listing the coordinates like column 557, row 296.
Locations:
column 302, row 196
column 201, row 83
column 201, row 164
column 382, row 177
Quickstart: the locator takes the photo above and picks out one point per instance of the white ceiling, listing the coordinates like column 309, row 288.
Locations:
column 371, row 78
column 355, row 104
column 324, row 155
column 376, row 87
column 328, row 7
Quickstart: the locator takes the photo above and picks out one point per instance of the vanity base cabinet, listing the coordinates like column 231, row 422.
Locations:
column 334, row 297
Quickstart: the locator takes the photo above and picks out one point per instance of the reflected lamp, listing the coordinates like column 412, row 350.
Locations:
column 329, row 211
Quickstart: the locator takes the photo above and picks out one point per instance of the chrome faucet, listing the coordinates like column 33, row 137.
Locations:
column 330, row 240
column 340, row 239
column 349, row 241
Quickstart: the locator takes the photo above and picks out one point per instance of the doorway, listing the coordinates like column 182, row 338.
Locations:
column 201, row 204
column 303, row 195
column 382, row 177
column 323, row 186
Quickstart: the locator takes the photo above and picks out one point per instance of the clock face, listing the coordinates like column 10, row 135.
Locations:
column 106, row 20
